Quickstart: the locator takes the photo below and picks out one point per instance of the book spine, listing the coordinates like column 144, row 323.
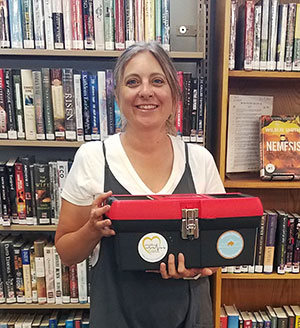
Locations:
column 70, row 116
column 27, row 21
column 11, row 117
column 49, row 37
column 12, row 193
column 62, row 169
column 58, row 103
column 25, row 253
column 58, row 28
column 20, row 189
column 259, row 256
column 17, row 89
column 38, row 104
column 187, row 106
column 65, row 284
column 3, row 114
column 77, row 23
column 282, row 29
column 9, row 271
column 296, row 250
column 94, row 108
column 290, row 244
column 82, row 281
column 264, row 35
column 270, row 242
column 158, row 21
column 280, row 242
column 165, row 32
column 249, row 35
column 53, row 177
column 47, row 102
column 67, row 21
column 28, row 104
column 5, row 206
column 32, row 187
column 119, row 25
column 195, row 102
column 49, row 273
column 118, row 121
column 149, row 20
column 86, row 106
column 78, row 107
column 73, row 284
column 15, row 24
column 296, row 53
column 129, row 23
column 57, row 277
column 179, row 116
column 109, row 25
column 110, row 102
column 99, row 24
column 273, row 30
column 38, row 16
column 20, row 288
column 88, row 24
column 40, row 270
column 33, row 275
column 232, row 41
column 289, row 44
column 257, row 35
column 102, row 104
column 4, row 25
column 27, row 188
column 139, row 20
column 42, row 193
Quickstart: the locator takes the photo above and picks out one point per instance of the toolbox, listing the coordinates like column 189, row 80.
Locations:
column 211, row 230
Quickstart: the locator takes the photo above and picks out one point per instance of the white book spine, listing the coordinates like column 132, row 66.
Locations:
column 102, row 104
column 67, row 24
column 165, row 33
column 109, row 26
column 139, row 20
column 232, row 42
column 149, row 20
column 49, row 273
column 82, row 281
column 28, row 104
column 38, row 16
column 272, row 44
column 296, row 55
column 257, row 34
column 264, row 35
column 78, row 107
column 99, row 24
column 48, row 24
column 282, row 37
column 15, row 14
column 62, row 168
column 57, row 277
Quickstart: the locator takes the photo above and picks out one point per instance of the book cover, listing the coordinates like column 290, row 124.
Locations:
column 290, row 33
column 15, row 24
column 119, row 25
column 109, row 25
column 38, row 17
column 280, row 147
column 38, row 104
column 58, row 27
column 28, row 23
column 129, row 23
column 139, row 20
column 48, row 19
column 77, row 23
column 18, row 103
column 99, row 24
column 88, row 24
column 4, row 25
column 270, row 241
column 11, row 115
column 166, row 21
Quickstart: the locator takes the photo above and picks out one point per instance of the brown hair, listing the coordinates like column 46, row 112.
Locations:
column 167, row 66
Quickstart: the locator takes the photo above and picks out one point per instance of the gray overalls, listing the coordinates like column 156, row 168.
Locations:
column 125, row 299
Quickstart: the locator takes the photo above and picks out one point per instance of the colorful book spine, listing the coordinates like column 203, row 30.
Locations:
column 78, row 107
column 57, row 277
column 129, row 23
column 73, row 283
column 88, row 24
column 18, row 103
column 139, row 20
column 27, row 20
column 65, row 284
column 28, row 104
column 12, row 192
column 77, row 24
column 102, row 104
column 20, row 190
column 3, row 114
column 20, row 288
column 272, row 41
column 119, row 25
column 289, row 267
column 296, row 250
column 110, row 102
column 39, row 245
column 4, row 25
column 38, row 104
column 165, row 33
column 25, row 253
column 38, row 16
column 249, row 35
column 158, row 20
column 5, row 206
column 179, row 116
column 195, row 102
column 149, row 20
column 67, row 20
column 94, row 107
column 11, row 117
column 99, row 24
column 58, row 27
column 257, row 35
column 290, row 33
column 33, row 274
column 282, row 28
column 118, row 121
column 270, row 241
column 48, row 19
column 109, row 24
column 15, row 24
column 281, row 242
column 70, row 115
column 86, row 106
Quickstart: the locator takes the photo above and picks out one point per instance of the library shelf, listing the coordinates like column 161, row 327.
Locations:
column 27, row 227
column 264, row 74
column 40, row 143
column 33, row 306
column 260, row 276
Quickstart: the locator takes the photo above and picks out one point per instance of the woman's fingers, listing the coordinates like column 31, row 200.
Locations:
column 101, row 198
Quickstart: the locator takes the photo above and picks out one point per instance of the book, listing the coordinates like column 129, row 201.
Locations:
column 260, row 248
column 102, row 104
column 257, row 35
column 110, row 102
column 266, row 319
column 78, row 319
column 9, row 98
column 38, row 18
column 259, row 320
column 253, row 320
column 29, row 318
column 27, row 24
column 291, row 316
column 109, row 25
column 73, row 283
column 15, row 24
column 272, row 38
column 65, row 284
column 158, row 20
column 20, row 191
column 86, row 106
column 282, row 27
column 48, row 20
column 58, row 28
column 49, row 273
column 282, row 318
column 12, row 192
column 67, row 24
column 272, row 315
column 119, row 25
column 88, row 24
column 281, row 242
column 296, row 250
column 289, row 44
column 240, row 37
column 264, row 34
column 243, row 121
column 18, row 104
column 129, row 23
column 33, row 274
column 232, row 316
column 53, row 320
column 5, row 205
column 270, row 241
column 19, row 278
column 25, row 255
column 78, row 106
column 279, row 147
column 94, row 107
column 39, row 245
column 289, row 265
column 57, row 277
column 82, row 281
column 149, row 19
column 139, row 20
column 232, row 41
column 53, row 174
column 296, row 311
column 247, row 322
column 166, row 21
column 38, row 104
column 77, row 23
column 223, row 318
column 249, row 35
column 3, row 114
column 99, row 24
column 296, row 52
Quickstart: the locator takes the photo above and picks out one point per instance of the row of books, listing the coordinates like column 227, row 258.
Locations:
column 30, row 192
column 63, row 104
column 278, row 245
column 264, row 35
column 83, row 24
column 53, row 319
column 287, row 316
column 31, row 272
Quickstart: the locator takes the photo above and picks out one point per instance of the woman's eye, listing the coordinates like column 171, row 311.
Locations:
column 132, row 82
column 158, row 81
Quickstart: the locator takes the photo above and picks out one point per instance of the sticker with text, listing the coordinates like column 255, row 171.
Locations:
column 153, row 247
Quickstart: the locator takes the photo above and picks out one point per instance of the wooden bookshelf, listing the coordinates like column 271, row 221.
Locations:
column 264, row 75
column 36, row 306
column 25, row 227
column 40, row 143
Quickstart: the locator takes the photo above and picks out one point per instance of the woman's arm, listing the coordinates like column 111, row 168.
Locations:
column 80, row 228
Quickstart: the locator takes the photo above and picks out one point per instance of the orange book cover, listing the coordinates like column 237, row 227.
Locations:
column 280, row 147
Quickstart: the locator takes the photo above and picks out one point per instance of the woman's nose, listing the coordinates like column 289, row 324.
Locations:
column 146, row 90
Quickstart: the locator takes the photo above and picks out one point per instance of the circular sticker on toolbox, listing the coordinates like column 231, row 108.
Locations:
column 230, row 244
column 152, row 247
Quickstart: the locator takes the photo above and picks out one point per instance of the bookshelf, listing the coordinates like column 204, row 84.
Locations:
column 252, row 291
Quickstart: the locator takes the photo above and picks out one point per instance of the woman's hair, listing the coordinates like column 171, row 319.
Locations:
column 167, row 66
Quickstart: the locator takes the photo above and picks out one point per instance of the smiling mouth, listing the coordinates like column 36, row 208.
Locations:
column 147, row 107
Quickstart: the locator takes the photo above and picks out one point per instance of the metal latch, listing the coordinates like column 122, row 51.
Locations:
column 189, row 225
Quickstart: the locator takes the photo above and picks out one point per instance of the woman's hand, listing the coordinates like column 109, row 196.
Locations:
column 181, row 271
column 96, row 222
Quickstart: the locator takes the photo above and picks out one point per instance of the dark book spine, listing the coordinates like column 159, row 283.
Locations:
column 290, row 244
column 270, row 241
column 259, row 256
column 38, row 104
column 240, row 38
column 110, row 102
column 86, row 106
column 88, row 24
column 20, row 289
column 3, row 113
column 20, row 188
column 32, row 188
column 58, row 27
column 65, row 284
column 73, row 284
column 11, row 117
column 10, row 169
column 280, row 242
column 195, row 102
column 187, row 105
column 201, row 108
column 7, row 253
column 42, row 193
column 27, row 188
column 18, row 103
column 296, row 250
column 70, row 116
column 5, row 206
column 94, row 108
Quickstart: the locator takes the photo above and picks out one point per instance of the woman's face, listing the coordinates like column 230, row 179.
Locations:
column 144, row 96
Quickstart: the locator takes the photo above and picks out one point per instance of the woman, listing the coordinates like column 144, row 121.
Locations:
column 144, row 159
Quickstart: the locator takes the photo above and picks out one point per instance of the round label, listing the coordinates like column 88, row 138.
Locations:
column 270, row 168
column 152, row 247
column 230, row 244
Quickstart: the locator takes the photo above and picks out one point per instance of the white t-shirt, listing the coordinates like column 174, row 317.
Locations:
column 86, row 178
